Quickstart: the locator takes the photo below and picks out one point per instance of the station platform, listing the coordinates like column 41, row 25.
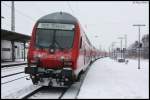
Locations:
column 13, row 63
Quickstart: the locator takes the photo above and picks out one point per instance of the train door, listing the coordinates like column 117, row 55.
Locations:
column 82, row 49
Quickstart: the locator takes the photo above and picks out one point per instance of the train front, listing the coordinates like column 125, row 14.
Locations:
column 50, row 55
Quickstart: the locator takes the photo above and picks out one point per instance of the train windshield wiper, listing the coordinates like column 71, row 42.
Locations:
column 61, row 48
column 52, row 46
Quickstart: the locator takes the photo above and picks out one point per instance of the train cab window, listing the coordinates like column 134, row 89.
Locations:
column 61, row 39
column 59, row 36
column 81, row 43
column 44, row 38
column 64, row 38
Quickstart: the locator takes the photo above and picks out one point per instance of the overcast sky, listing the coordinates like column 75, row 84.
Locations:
column 103, row 21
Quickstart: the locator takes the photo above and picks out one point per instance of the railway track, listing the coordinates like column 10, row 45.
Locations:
column 10, row 65
column 12, row 74
column 38, row 92
column 56, row 92
column 47, row 93
column 14, row 79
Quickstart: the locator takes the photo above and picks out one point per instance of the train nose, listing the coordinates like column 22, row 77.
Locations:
column 56, row 61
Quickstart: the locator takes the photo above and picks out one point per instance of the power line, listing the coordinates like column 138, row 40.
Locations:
column 74, row 13
column 39, row 8
column 20, row 12
column 70, row 7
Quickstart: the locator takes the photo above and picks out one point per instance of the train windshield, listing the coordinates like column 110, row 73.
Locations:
column 58, row 38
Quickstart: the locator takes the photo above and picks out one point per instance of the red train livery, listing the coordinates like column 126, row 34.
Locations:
column 59, row 50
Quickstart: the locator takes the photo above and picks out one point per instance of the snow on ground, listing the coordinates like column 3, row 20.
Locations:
column 109, row 79
column 17, row 89
column 72, row 92
column 13, row 77
column 106, row 79
column 48, row 93
column 12, row 87
column 11, row 70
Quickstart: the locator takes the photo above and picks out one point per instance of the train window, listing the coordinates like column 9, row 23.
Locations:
column 44, row 38
column 81, row 42
column 64, row 38
column 60, row 38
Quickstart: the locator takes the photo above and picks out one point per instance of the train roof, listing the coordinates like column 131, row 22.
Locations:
column 59, row 17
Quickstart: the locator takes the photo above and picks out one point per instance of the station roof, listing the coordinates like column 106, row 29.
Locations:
column 14, row 36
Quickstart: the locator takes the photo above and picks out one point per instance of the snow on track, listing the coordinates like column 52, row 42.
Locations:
column 48, row 93
column 13, row 77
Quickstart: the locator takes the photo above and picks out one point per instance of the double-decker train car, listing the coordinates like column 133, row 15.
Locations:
column 59, row 50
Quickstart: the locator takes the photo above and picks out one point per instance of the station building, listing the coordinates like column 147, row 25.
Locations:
column 14, row 45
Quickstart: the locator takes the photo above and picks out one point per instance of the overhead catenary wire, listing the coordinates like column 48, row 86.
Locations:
column 85, row 26
column 32, row 19
column 74, row 13
column 20, row 12
column 42, row 11
column 70, row 7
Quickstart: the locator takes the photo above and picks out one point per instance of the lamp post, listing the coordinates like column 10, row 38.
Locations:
column 139, row 53
column 113, row 51
column 109, row 51
column 120, row 46
column 125, row 36
column 100, row 47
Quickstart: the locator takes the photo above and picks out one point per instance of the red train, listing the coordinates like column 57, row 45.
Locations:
column 59, row 50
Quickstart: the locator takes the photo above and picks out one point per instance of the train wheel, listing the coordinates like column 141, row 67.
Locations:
column 34, row 79
column 79, row 75
column 68, row 83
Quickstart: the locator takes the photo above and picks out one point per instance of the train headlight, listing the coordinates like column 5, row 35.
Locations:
column 38, row 55
column 66, row 61
column 36, row 60
column 62, row 58
column 33, row 65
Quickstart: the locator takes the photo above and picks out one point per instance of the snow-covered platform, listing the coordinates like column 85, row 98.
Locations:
column 110, row 79
column 17, row 62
